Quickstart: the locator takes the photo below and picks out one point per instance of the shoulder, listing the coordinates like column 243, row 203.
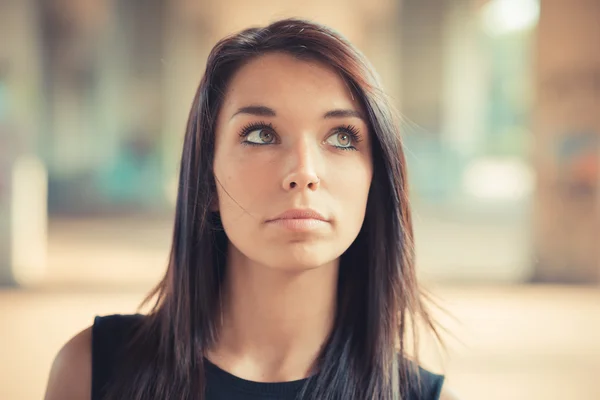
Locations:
column 111, row 336
column 114, row 330
column 71, row 372
column 85, row 362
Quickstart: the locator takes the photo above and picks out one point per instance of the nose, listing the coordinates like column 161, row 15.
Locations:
column 302, row 173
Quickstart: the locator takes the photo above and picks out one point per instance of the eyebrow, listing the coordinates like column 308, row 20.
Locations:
column 343, row 114
column 264, row 111
column 261, row 111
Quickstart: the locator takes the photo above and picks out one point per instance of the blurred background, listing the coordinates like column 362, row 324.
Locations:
column 501, row 100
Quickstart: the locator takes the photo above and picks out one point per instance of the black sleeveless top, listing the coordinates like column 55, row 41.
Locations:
column 111, row 333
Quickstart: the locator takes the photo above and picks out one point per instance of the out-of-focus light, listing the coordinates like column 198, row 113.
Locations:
column 498, row 179
column 29, row 220
column 501, row 17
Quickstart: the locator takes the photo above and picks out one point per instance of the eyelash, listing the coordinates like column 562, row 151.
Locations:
column 349, row 130
column 251, row 127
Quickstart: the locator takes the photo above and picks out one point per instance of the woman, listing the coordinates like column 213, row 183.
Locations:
column 291, row 272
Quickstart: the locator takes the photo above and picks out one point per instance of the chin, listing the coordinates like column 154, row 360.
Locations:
column 302, row 258
column 292, row 256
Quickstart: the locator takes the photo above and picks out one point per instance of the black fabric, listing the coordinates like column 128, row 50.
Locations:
column 110, row 335
column 221, row 385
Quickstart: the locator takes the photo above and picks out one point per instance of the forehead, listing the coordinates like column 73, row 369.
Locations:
column 280, row 80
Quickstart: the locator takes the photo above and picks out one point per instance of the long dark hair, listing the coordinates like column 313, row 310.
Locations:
column 365, row 357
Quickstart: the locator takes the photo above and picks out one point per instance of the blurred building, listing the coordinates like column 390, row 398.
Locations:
column 504, row 187
column 567, row 128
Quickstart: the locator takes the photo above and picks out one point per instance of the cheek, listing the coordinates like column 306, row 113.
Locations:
column 349, row 190
column 350, row 185
column 244, row 183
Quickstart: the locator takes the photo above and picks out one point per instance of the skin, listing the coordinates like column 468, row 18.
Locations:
column 279, row 291
column 281, row 284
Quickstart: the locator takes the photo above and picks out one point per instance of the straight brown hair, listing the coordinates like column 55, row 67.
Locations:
column 379, row 299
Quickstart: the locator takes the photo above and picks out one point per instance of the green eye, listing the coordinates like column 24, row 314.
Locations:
column 340, row 139
column 344, row 138
column 260, row 136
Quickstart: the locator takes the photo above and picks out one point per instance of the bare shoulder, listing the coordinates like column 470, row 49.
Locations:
column 448, row 394
column 71, row 373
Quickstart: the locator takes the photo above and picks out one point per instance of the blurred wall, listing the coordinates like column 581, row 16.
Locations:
column 567, row 142
column 100, row 92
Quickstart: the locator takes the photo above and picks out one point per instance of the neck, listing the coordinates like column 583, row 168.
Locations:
column 274, row 322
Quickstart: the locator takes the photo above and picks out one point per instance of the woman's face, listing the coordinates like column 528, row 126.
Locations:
column 292, row 163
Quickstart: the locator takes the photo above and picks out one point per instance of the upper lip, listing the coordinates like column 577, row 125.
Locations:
column 299, row 213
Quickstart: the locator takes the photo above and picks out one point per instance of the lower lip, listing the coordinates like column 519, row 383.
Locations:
column 299, row 224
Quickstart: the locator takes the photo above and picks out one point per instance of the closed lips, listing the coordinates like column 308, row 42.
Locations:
column 300, row 214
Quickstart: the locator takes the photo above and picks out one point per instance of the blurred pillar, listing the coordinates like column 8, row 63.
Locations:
column 186, row 29
column 74, row 57
column 567, row 137
column 82, row 103
column 465, row 79
column 421, row 25
column 129, row 97
column 378, row 36
column 23, row 182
